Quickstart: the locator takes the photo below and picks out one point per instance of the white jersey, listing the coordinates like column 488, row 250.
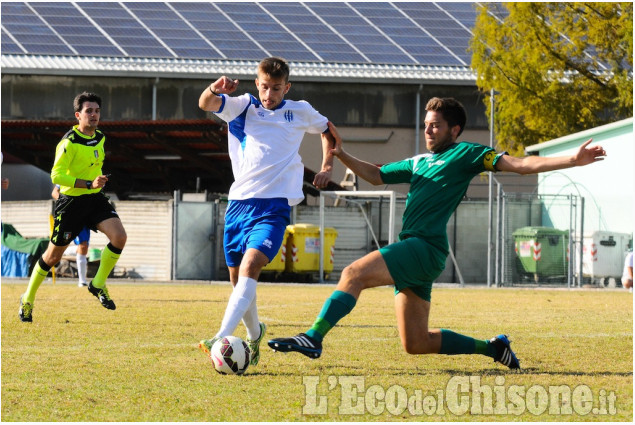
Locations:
column 628, row 262
column 264, row 145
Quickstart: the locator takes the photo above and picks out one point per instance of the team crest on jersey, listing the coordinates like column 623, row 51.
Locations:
column 288, row 115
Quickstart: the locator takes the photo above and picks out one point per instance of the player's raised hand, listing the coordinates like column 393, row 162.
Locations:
column 588, row 155
column 224, row 85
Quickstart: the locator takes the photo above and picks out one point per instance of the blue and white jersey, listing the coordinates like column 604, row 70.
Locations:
column 264, row 145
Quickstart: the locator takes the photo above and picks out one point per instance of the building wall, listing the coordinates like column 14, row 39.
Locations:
column 148, row 251
column 607, row 186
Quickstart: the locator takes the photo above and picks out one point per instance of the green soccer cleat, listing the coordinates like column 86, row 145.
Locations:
column 102, row 295
column 206, row 345
column 26, row 311
column 254, row 346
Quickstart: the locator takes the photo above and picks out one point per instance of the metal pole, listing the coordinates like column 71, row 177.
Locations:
column 490, row 215
column 570, row 244
column 580, row 265
column 321, row 248
column 499, row 242
column 391, row 218
column 154, row 99
column 418, row 120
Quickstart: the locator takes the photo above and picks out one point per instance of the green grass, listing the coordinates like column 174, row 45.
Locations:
column 80, row 362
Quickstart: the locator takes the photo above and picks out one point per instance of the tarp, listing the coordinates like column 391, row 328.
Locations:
column 18, row 253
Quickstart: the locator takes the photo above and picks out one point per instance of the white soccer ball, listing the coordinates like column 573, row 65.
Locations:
column 230, row 356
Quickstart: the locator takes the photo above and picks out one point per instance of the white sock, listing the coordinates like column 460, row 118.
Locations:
column 239, row 301
column 250, row 320
column 82, row 266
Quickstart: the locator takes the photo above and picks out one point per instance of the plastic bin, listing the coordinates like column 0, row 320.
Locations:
column 303, row 248
column 542, row 250
column 278, row 264
column 603, row 256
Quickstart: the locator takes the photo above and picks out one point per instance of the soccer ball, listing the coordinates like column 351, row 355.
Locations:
column 230, row 356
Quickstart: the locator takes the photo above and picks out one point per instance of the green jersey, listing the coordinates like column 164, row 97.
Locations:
column 78, row 156
column 438, row 182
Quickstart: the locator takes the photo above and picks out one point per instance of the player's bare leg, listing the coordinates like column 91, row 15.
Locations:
column 368, row 272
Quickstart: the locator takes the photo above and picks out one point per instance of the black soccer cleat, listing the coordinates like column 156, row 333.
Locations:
column 102, row 295
column 504, row 353
column 302, row 343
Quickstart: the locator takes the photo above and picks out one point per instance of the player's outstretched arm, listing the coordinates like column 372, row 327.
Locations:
column 538, row 164
column 209, row 100
column 365, row 170
column 323, row 178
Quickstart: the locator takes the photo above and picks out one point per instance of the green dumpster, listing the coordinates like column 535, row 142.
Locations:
column 542, row 251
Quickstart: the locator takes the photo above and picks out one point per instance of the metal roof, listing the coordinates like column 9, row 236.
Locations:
column 199, row 68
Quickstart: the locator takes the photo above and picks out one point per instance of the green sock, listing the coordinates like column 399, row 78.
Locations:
column 338, row 305
column 453, row 343
column 39, row 273
column 109, row 257
column 484, row 347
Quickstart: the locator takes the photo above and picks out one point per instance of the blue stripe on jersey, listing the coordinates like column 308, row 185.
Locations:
column 237, row 125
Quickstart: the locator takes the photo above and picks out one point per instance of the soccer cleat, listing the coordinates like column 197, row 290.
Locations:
column 26, row 311
column 82, row 284
column 102, row 295
column 254, row 346
column 206, row 345
column 504, row 353
column 302, row 343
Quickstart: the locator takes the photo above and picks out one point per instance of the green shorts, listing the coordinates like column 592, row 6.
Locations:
column 414, row 263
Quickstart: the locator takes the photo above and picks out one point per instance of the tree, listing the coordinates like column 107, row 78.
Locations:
column 558, row 67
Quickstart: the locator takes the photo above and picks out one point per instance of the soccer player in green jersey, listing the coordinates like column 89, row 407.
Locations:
column 77, row 168
column 438, row 181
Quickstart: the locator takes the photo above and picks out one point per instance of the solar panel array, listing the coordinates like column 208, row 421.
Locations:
column 354, row 32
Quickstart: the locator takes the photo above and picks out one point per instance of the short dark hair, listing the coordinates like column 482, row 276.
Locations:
column 451, row 109
column 78, row 103
column 275, row 67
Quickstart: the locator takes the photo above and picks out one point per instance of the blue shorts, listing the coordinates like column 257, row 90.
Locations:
column 84, row 236
column 255, row 223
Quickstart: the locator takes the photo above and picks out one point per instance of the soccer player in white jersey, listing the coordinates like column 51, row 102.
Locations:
column 264, row 139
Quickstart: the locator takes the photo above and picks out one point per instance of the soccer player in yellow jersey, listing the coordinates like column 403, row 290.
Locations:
column 79, row 157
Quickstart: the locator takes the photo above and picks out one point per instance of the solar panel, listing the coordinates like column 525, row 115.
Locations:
column 133, row 38
column 31, row 31
column 217, row 29
column 76, row 29
column 8, row 45
column 353, row 32
column 266, row 30
column 173, row 31
column 356, row 30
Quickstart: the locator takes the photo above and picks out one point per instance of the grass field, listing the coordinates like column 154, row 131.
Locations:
column 80, row 362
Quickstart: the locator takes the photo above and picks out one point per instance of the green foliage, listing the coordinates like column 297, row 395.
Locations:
column 558, row 67
column 80, row 362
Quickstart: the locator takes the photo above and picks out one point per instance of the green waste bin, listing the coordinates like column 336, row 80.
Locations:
column 542, row 251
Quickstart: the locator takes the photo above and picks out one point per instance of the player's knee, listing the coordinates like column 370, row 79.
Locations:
column 352, row 276
column 119, row 239
column 52, row 258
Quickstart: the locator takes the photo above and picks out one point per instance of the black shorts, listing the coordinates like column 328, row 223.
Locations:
column 73, row 213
